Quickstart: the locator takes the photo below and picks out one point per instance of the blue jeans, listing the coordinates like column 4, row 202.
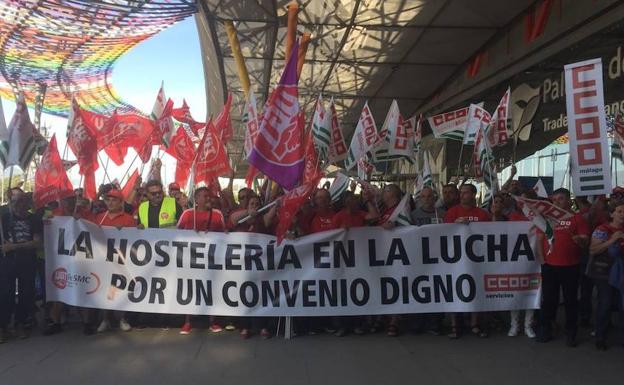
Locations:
column 608, row 297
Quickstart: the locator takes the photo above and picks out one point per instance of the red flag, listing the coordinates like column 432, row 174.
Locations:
column 129, row 186
column 183, row 115
column 211, row 160
column 127, row 130
column 290, row 204
column 183, row 150
column 223, row 122
column 252, row 173
column 51, row 181
column 82, row 139
column 163, row 126
column 311, row 170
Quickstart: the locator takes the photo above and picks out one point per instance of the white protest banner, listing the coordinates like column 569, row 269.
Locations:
column 360, row 271
column 587, row 128
column 499, row 134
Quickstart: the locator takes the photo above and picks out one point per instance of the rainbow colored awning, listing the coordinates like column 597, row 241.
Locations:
column 71, row 46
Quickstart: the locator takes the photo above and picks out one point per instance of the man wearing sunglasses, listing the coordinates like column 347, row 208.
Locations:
column 159, row 211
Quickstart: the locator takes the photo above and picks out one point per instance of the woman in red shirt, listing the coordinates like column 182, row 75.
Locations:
column 201, row 218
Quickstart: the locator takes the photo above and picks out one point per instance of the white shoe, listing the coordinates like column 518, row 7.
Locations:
column 513, row 330
column 528, row 330
column 124, row 325
column 104, row 326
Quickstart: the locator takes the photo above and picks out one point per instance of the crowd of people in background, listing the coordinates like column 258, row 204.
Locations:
column 577, row 261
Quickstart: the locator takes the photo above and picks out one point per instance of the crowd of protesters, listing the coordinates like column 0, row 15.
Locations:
column 583, row 252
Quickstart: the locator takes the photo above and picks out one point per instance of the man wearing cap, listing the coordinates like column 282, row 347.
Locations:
column 117, row 217
column 159, row 211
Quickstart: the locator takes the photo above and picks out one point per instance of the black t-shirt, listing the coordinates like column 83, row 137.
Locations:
column 20, row 230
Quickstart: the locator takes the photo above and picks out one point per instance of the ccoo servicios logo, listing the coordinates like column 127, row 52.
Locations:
column 511, row 282
column 63, row 279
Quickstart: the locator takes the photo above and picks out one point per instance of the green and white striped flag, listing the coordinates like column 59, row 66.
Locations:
column 338, row 186
column 22, row 137
column 321, row 128
column 427, row 178
column 401, row 213
column 165, row 126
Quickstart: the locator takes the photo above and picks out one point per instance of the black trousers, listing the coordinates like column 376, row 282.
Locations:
column 20, row 269
column 554, row 280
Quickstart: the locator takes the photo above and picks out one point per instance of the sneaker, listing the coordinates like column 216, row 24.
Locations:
column 358, row 331
column 513, row 330
column 22, row 332
column 186, row 329
column 53, row 328
column 88, row 330
column 104, row 326
column 264, row 333
column 124, row 325
column 528, row 331
column 230, row 327
column 245, row 334
column 341, row 332
column 216, row 328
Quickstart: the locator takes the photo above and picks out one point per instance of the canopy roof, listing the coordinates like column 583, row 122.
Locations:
column 375, row 50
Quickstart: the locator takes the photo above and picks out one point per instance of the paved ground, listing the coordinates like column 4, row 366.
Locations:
column 157, row 356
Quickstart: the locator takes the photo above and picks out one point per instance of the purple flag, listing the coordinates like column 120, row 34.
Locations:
column 278, row 148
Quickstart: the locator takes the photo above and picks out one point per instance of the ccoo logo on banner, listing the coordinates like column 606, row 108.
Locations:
column 587, row 128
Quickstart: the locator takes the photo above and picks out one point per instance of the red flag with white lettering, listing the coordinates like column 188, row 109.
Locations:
column 183, row 150
column 211, row 160
column 127, row 130
column 51, row 181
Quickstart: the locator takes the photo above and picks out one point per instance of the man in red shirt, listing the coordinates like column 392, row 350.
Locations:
column 117, row 217
column 201, row 218
column 561, row 270
column 466, row 212
column 352, row 215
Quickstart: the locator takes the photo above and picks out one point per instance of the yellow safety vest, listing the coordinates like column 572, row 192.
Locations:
column 166, row 216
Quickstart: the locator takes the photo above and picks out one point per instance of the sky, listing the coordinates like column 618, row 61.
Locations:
column 174, row 57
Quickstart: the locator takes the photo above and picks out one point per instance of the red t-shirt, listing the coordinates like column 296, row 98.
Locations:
column 322, row 221
column 211, row 220
column 474, row 214
column 121, row 219
column 516, row 216
column 344, row 219
column 564, row 251
column 235, row 226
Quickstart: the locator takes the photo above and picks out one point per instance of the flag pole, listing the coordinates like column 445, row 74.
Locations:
column 105, row 168
column 459, row 162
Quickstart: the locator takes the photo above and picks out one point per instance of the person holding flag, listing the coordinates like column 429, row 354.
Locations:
column 467, row 212
column 560, row 271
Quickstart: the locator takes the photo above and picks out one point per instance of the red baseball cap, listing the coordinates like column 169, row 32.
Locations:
column 115, row 194
column 174, row 186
